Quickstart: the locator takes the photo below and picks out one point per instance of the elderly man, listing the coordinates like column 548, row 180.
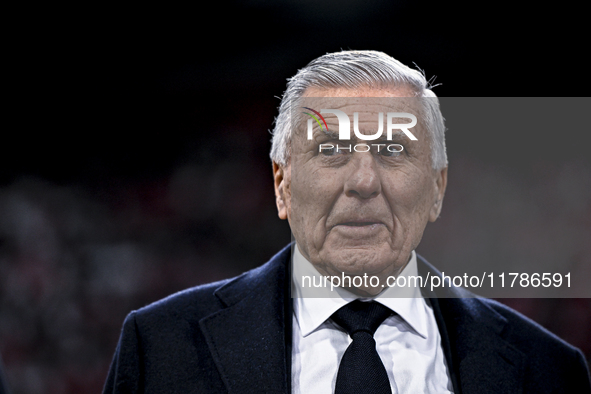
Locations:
column 357, row 204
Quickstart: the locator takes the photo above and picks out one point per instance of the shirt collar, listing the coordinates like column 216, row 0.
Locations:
column 313, row 309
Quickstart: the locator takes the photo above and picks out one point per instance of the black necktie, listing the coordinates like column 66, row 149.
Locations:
column 361, row 370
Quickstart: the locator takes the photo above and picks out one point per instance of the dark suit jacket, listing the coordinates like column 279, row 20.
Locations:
column 234, row 336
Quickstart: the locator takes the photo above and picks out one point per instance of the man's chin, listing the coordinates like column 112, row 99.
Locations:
column 358, row 262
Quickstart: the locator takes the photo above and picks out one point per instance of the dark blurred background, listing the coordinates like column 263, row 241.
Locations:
column 135, row 159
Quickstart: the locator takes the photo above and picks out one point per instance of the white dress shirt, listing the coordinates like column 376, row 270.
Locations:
column 408, row 342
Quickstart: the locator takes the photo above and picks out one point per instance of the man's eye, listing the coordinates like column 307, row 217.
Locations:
column 392, row 150
column 328, row 151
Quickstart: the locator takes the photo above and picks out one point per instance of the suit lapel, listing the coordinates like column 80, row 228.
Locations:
column 480, row 359
column 247, row 338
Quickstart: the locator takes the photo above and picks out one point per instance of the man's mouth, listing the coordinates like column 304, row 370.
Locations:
column 358, row 230
column 355, row 225
column 358, row 224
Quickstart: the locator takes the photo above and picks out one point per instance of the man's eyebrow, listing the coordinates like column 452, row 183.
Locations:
column 331, row 134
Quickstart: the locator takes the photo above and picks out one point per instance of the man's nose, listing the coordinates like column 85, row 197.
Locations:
column 363, row 181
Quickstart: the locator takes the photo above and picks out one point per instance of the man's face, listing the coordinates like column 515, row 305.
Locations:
column 362, row 212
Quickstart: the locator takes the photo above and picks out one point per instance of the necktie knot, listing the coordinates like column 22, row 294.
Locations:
column 361, row 316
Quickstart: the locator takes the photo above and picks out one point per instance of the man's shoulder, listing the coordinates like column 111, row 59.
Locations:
column 548, row 358
column 203, row 300
column 526, row 334
column 468, row 311
column 487, row 335
column 198, row 300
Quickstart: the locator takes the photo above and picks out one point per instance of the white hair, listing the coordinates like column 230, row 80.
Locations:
column 351, row 70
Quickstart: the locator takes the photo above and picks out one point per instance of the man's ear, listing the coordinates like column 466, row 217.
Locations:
column 440, row 185
column 280, row 183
